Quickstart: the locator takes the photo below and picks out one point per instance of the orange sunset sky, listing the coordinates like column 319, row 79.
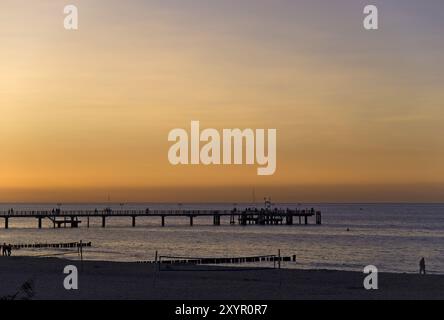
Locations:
column 86, row 113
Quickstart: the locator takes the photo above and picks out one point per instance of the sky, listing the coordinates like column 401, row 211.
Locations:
column 85, row 114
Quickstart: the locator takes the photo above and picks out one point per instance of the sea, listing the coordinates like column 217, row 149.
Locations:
column 391, row 236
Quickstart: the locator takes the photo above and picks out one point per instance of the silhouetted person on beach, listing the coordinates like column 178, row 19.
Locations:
column 422, row 266
column 6, row 250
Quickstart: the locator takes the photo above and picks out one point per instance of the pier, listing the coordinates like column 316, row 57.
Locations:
column 72, row 218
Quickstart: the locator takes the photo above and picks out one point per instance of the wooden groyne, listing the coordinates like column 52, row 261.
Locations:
column 72, row 218
column 65, row 245
column 216, row 261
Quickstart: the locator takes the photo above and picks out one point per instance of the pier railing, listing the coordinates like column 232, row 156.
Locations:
column 129, row 213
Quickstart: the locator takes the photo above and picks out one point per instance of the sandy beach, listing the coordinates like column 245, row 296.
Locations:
column 114, row 280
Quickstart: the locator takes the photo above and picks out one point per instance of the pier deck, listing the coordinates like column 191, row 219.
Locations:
column 70, row 218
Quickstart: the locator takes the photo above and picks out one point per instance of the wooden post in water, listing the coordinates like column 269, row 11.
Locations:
column 191, row 221
column 134, row 221
column 157, row 262
column 87, row 222
column 40, row 222
column 6, row 222
column 81, row 255
column 103, row 221
column 163, row 222
column 81, row 250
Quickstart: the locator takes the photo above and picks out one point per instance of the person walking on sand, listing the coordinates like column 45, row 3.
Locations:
column 4, row 249
column 9, row 250
column 422, row 266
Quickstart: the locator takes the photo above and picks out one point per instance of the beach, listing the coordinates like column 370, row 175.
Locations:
column 133, row 281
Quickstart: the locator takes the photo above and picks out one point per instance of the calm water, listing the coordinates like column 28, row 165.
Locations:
column 390, row 236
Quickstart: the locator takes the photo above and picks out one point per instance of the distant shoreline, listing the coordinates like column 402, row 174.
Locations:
column 124, row 280
column 228, row 203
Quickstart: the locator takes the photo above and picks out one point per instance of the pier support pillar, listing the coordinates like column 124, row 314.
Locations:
column 306, row 220
column 103, row 222
column 289, row 220
column 191, row 221
column 216, row 220
column 134, row 221
column 74, row 222
column 40, row 223
column 300, row 221
column 318, row 218
column 163, row 221
column 6, row 223
column 87, row 222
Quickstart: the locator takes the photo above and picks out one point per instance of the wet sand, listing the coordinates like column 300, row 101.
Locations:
column 114, row 280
